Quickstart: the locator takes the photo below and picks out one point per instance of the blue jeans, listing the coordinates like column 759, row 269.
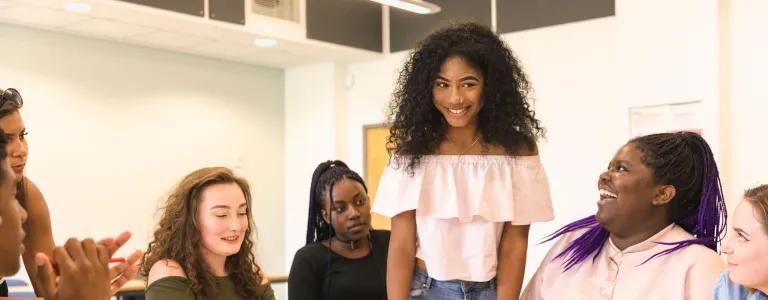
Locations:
column 428, row 288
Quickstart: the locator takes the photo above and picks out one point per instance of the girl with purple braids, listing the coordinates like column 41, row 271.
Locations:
column 660, row 216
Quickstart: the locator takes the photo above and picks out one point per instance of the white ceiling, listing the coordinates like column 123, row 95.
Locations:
column 145, row 26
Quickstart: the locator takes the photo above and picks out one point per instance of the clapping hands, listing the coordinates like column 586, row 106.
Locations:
column 80, row 269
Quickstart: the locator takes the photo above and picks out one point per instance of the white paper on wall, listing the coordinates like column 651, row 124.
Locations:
column 671, row 117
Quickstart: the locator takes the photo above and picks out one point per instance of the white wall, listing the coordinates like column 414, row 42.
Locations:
column 114, row 127
column 748, row 94
column 572, row 69
column 313, row 123
column 668, row 52
column 367, row 100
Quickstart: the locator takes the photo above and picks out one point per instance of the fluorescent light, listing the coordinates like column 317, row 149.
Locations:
column 416, row 6
column 262, row 42
column 77, row 7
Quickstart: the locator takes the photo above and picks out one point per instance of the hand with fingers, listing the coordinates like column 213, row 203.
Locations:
column 122, row 272
column 83, row 271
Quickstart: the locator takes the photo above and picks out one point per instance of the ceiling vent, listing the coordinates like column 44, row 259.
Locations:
column 282, row 9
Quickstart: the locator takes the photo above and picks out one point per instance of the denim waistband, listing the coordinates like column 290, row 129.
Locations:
column 427, row 282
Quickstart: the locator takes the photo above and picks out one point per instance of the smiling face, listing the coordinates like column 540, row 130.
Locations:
column 458, row 92
column 628, row 194
column 351, row 210
column 223, row 219
column 746, row 248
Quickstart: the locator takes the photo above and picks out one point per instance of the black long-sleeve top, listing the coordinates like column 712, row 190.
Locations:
column 354, row 279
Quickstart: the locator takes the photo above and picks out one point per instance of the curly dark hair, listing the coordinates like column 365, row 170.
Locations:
column 178, row 237
column 506, row 118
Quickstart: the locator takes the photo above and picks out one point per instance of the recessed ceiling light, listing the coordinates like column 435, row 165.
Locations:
column 415, row 6
column 77, row 7
column 263, row 42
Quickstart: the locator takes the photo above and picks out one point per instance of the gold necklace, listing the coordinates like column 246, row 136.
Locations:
column 468, row 148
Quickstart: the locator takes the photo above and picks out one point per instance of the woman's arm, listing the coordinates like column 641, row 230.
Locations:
column 39, row 237
column 402, row 255
column 303, row 282
column 511, row 267
column 535, row 285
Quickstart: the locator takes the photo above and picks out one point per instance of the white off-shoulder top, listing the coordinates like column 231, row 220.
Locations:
column 462, row 203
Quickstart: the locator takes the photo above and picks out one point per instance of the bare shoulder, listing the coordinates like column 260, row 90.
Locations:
column 522, row 150
column 494, row 149
column 164, row 268
column 527, row 151
column 35, row 197
column 264, row 278
column 30, row 186
column 39, row 220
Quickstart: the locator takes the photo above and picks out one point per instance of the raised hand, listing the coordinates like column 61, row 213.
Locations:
column 83, row 271
column 121, row 273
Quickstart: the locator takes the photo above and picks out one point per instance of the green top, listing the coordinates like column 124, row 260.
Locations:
column 178, row 288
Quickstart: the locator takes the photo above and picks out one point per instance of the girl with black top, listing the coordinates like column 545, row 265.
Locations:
column 343, row 257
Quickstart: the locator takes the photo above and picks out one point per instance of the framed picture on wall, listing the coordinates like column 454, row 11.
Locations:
column 375, row 159
column 681, row 116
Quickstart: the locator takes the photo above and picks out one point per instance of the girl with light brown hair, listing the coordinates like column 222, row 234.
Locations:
column 202, row 248
column 746, row 249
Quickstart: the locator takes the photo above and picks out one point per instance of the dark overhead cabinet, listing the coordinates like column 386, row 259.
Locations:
column 407, row 28
column 516, row 15
column 354, row 23
column 231, row 11
column 190, row 7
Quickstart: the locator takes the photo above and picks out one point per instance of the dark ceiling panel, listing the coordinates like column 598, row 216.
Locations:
column 516, row 15
column 192, row 7
column 406, row 28
column 231, row 11
column 354, row 23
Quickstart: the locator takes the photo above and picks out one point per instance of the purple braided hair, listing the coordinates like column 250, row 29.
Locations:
column 684, row 160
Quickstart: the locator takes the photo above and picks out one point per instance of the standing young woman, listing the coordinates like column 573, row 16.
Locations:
column 660, row 215
column 747, row 275
column 39, row 238
column 465, row 180
column 343, row 257
column 202, row 248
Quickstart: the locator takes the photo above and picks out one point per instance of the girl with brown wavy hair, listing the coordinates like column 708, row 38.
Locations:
column 202, row 248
